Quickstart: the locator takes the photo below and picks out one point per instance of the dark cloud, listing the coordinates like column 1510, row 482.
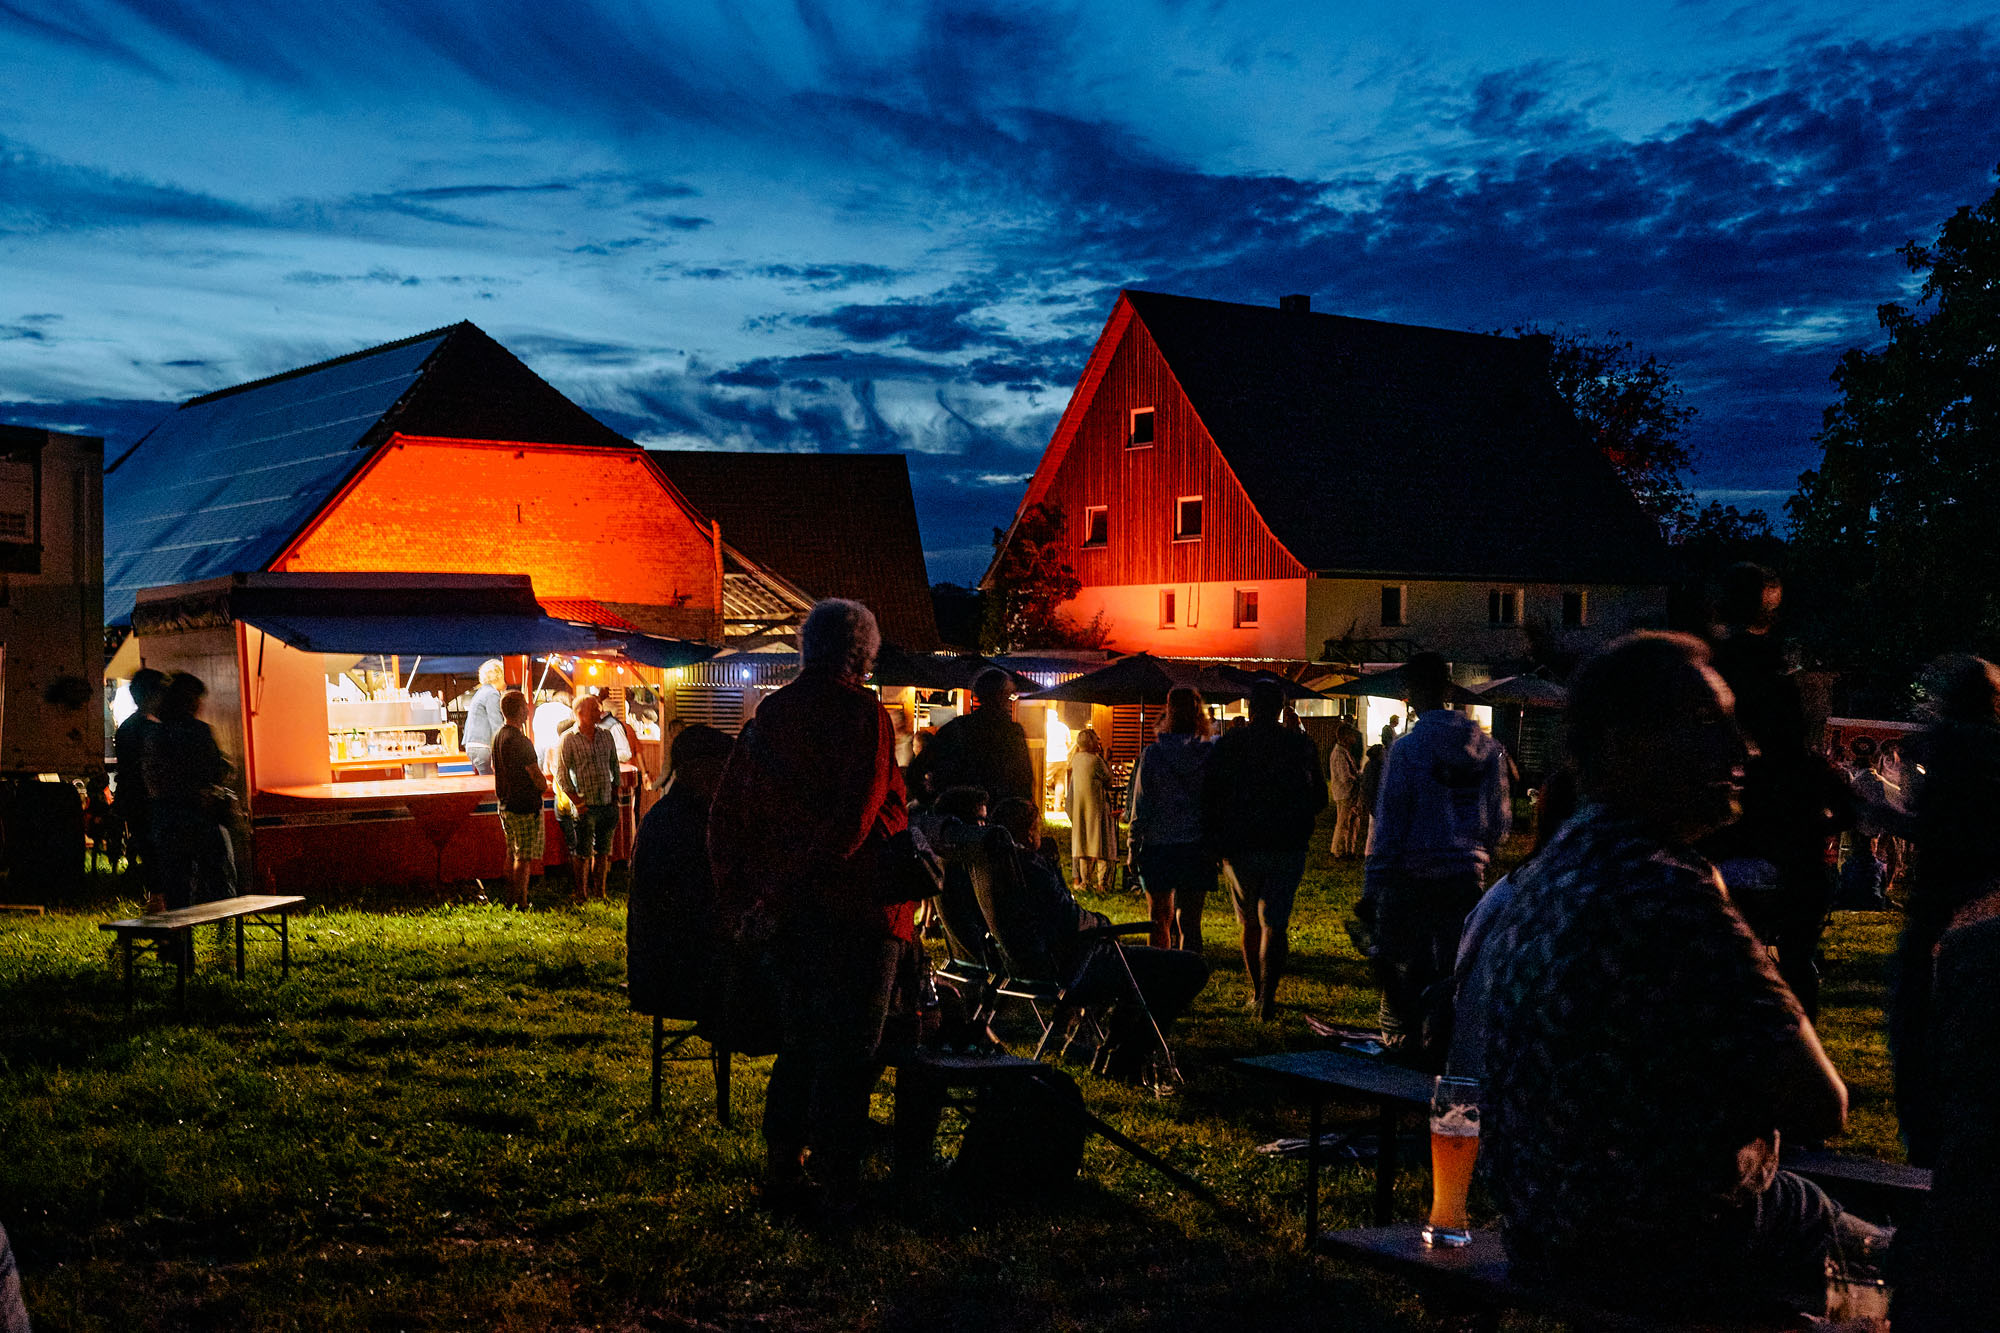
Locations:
column 483, row 191
column 677, row 221
column 828, row 277
column 925, row 326
column 119, row 422
column 388, row 277
column 39, row 194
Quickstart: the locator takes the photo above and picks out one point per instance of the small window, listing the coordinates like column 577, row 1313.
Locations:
column 1392, row 607
column 1246, row 607
column 1097, row 525
column 1503, row 606
column 1141, row 433
column 1187, row 519
column 1169, row 609
column 1574, row 609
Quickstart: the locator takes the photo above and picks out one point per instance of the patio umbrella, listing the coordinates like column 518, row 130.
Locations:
column 1244, row 679
column 929, row 671
column 1141, row 679
column 1524, row 692
column 1394, row 684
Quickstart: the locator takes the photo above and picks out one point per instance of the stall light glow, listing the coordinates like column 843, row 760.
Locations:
column 744, row 673
column 1058, row 739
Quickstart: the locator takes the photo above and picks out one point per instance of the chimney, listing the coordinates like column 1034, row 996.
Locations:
column 1296, row 304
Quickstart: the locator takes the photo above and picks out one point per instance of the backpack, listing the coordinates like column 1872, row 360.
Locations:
column 1024, row 1138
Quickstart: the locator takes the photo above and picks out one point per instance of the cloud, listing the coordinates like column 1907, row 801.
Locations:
column 926, row 326
column 39, row 194
column 677, row 221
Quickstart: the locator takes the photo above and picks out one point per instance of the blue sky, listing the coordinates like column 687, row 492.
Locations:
column 899, row 226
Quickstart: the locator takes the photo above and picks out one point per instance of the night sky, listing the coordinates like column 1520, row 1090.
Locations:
column 900, row 226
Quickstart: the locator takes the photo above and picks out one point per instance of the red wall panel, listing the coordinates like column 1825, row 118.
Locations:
column 1142, row 486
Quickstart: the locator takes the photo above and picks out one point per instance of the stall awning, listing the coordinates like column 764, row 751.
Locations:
column 432, row 636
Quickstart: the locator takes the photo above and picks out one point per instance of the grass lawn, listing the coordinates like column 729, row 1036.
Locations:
column 441, row 1122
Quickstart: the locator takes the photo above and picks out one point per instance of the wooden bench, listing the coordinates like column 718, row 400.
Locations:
column 1476, row 1277
column 165, row 934
column 1395, row 1091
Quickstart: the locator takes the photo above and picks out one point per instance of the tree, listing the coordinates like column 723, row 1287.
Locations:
column 1029, row 584
column 1632, row 408
column 1901, row 520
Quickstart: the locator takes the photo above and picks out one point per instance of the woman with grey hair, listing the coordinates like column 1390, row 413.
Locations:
column 482, row 718
column 810, row 794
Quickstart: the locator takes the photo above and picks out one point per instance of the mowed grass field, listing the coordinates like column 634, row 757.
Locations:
column 441, row 1121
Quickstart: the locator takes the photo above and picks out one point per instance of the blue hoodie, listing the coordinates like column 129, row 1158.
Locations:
column 1444, row 806
column 1166, row 790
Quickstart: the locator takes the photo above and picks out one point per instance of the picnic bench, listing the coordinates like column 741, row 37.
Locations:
column 1476, row 1277
column 1879, row 1191
column 171, row 933
column 1394, row 1090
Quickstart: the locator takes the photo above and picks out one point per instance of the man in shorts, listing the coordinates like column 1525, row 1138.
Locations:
column 587, row 776
column 518, row 786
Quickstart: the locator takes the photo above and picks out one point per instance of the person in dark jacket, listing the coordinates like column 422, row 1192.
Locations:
column 129, row 745
column 986, row 748
column 672, row 946
column 1260, row 795
column 1945, row 1282
column 184, row 767
column 808, row 799
column 1774, row 857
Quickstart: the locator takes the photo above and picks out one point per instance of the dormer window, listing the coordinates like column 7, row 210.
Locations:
column 1097, row 525
column 1140, row 433
column 1187, row 519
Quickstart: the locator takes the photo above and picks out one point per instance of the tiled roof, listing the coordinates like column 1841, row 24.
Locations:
column 225, row 482
column 1370, row 447
column 836, row 525
column 585, row 611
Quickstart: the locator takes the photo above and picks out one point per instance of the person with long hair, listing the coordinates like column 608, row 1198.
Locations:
column 1093, row 820
column 184, row 769
column 1173, row 865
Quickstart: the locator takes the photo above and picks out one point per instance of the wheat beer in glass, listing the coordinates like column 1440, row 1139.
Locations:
column 1454, row 1148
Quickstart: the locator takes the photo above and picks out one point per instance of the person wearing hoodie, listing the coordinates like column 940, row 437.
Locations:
column 1442, row 811
column 1168, row 854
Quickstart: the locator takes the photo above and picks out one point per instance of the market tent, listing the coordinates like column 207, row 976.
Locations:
column 653, row 651
column 1140, row 679
column 1394, row 684
column 1523, row 692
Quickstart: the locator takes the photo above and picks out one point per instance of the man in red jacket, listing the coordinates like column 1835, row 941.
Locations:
column 810, row 794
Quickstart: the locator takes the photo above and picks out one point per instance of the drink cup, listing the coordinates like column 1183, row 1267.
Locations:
column 1454, row 1148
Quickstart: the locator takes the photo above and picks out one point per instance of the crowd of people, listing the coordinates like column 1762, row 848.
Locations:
column 1638, row 996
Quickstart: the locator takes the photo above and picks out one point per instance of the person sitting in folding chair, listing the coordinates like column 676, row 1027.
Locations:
column 1145, row 989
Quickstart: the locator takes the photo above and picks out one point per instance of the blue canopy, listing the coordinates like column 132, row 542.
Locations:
column 476, row 635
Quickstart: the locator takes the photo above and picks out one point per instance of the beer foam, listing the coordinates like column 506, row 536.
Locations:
column 1457, row 1123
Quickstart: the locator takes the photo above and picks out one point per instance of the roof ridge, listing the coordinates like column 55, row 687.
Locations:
column 1502, row 339
column 281, row 376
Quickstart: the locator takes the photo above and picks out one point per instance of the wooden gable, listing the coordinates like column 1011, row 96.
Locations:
column 597, row 523
column 1090, row 462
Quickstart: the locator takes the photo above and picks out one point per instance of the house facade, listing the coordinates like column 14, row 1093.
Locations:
column 1269, row 483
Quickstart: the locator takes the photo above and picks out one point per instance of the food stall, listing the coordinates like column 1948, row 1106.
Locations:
column 349, row 773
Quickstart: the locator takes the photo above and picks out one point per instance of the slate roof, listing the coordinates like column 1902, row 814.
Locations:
column 1376, row 448
column 225, row 482
column 836, row 525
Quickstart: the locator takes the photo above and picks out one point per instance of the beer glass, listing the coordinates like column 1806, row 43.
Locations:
column 1454, row 1148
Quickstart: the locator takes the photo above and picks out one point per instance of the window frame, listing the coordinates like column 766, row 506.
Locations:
column 1503, row 608
column 1402, row 619
column 1170, row 608
column 1090, row 512
column 1248, row 599
column 1132, row 440
column 1180, row 511
column 1582, row 596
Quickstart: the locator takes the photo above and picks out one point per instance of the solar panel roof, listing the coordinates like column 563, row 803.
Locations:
column 226, row 480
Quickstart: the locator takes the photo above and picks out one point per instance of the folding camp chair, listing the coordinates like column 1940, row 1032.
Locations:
column 1029, row 971
column 972, row 962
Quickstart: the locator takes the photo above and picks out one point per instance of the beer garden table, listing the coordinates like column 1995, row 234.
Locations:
column 1393, row 1090
column 271, row 912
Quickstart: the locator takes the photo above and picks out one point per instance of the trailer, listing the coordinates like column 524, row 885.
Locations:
column 52, row 704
